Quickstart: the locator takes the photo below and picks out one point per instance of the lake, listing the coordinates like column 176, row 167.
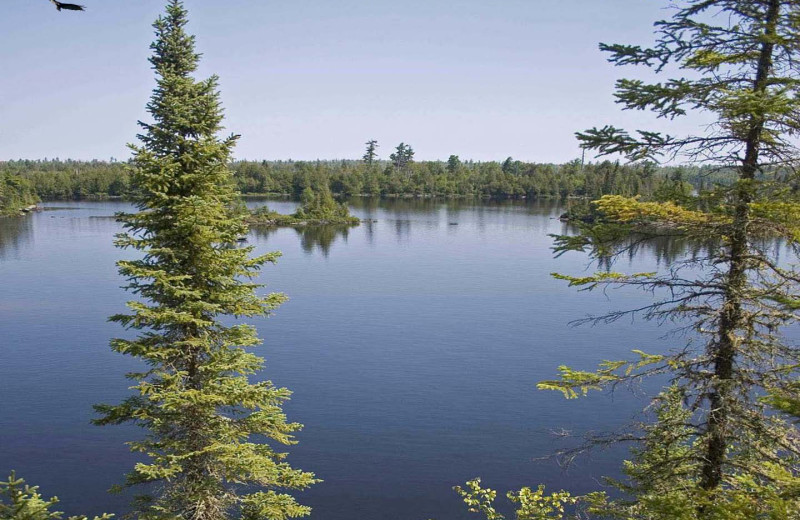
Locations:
column 413, row 344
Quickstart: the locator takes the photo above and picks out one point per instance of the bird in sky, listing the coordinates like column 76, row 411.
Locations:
column 68, row 7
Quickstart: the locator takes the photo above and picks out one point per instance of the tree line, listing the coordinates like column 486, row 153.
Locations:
column 75, row 180
column 54, row 179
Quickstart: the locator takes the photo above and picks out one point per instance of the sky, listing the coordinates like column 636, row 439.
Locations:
column 315, row 79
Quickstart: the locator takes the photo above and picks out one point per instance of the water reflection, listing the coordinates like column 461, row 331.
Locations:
column 15, row 234
column 312, row 238
column 667, row 250
column 369, row 230
column 371, row 207
column 404, row 216
column 402, row 230
column 664, row 250
column 321, row 237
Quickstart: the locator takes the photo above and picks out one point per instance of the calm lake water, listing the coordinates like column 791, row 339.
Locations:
column 412, row 344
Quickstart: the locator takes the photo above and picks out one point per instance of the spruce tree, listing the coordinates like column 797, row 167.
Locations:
column 201, row 413
column 717, row 448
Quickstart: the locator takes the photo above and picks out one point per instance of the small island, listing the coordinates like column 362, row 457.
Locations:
column 318, row 208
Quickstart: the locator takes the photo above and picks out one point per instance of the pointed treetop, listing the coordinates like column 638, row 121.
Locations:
column 173, row 48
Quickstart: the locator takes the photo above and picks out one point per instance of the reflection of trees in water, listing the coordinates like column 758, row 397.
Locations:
column 404, row 213
column 369, row 206
column 665, row 250
column 311, row 237
column 668, row 250
column 320, row 237
column 369, row 230
column 402, row 229
column 406, row 207
column 15, row 233
column 263, row 231
column 433, row 213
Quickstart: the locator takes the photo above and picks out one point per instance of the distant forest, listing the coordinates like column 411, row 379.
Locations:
column 510, row 179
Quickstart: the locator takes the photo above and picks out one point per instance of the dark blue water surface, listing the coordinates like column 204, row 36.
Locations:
column 413, row 345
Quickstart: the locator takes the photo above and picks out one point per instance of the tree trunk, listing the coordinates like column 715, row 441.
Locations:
column 731, row 320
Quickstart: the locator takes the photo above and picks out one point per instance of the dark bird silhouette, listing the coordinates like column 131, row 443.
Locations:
column 68, row 7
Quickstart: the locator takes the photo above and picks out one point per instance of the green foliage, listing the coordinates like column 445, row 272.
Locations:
column 530, row 504
column 265, row 216
column 574, row 383
column 453, row 178
column 618, row 209
column 778, row 215
column 16, row 194
column 668, row 448
column 463, row 178
column 479, row 500
column 319, row 206
column 457, row 178
column 453, row 164
column 593, row 281
column 19, row 501
column 675, row 189
column 202, row 416
column 68, row 180
column 787, row 400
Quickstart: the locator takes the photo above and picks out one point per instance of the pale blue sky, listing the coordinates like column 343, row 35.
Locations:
column 307, row 79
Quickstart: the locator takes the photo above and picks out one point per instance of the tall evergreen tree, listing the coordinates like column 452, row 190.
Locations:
column 717, row 448
column 201, row 413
